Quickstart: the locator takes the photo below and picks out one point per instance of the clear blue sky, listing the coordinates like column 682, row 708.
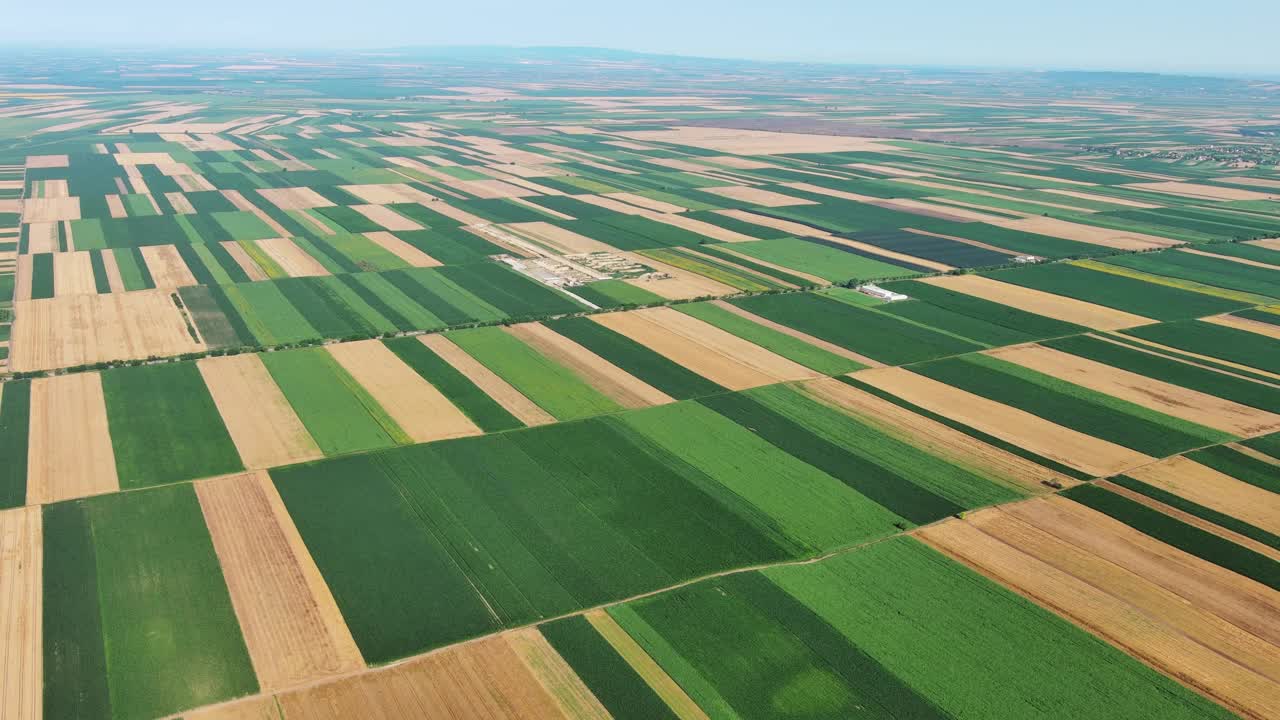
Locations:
column 1173, row 35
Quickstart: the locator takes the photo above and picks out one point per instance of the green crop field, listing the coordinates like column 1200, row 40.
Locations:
column 656, row 370
column 336, row 410
column 165, row 426
column 552, row 386
column 1073, row 406
column 1122, row 293
column 876, row 335
column 750, row 499
column 139, row 621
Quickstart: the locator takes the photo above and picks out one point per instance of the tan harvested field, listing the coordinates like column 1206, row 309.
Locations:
column 167, row 267
column 1244, row 603
column 1229, row 258
column 681, row 285
column 1083, row 452
column 1269, row 243
column 785, row 330
column 42, row 237
column 22, row 279
column 611, row 204
column 50, row 209
column 242, row 203
column 739, row 163
column 641, row 201
column 1057, row 307
column 416, row 405
column 1189, row 357
column 56, row 189
column 144, row 158
column 555, row 675
column 262, row 707
column 1205, row 192
column 400, row 193
column 489, row 189
column 1205, row 486
column 116, row 206
column 700, row 227
column 1256, row 455
column 262, row 423
column 935, row 437
column 1164, row 397
column 296, row 198
column 787, row 226
column 933, row 184
column 881, row 252
column 402, row 249
column 758, row 196
column 1190, row 519
column 69, row 451
column 481, row 680
column 1158, row 626
column 917, row 207
column 757, row 142
column 48, row 161
column 654, row 676
column 114, row 280
column 1246, row 324
column 705, row 349
column 246, row 263
column 292, row 259
column 73, row 274
column 966, row 241
column 291, row 623
column 525, row 410
column 180, row 203
column 612, row 381
column 565, row 242
column 21, row 614
column 1102, row 198
column 81, row 329
column 1118, row 239
column 386, row 217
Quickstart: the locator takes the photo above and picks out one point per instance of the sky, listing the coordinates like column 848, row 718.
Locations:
column 1147, row 35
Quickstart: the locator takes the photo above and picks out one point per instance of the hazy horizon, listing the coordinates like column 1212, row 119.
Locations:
column 1090, row 35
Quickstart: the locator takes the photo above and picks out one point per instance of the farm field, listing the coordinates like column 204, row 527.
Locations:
column 573, row 385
